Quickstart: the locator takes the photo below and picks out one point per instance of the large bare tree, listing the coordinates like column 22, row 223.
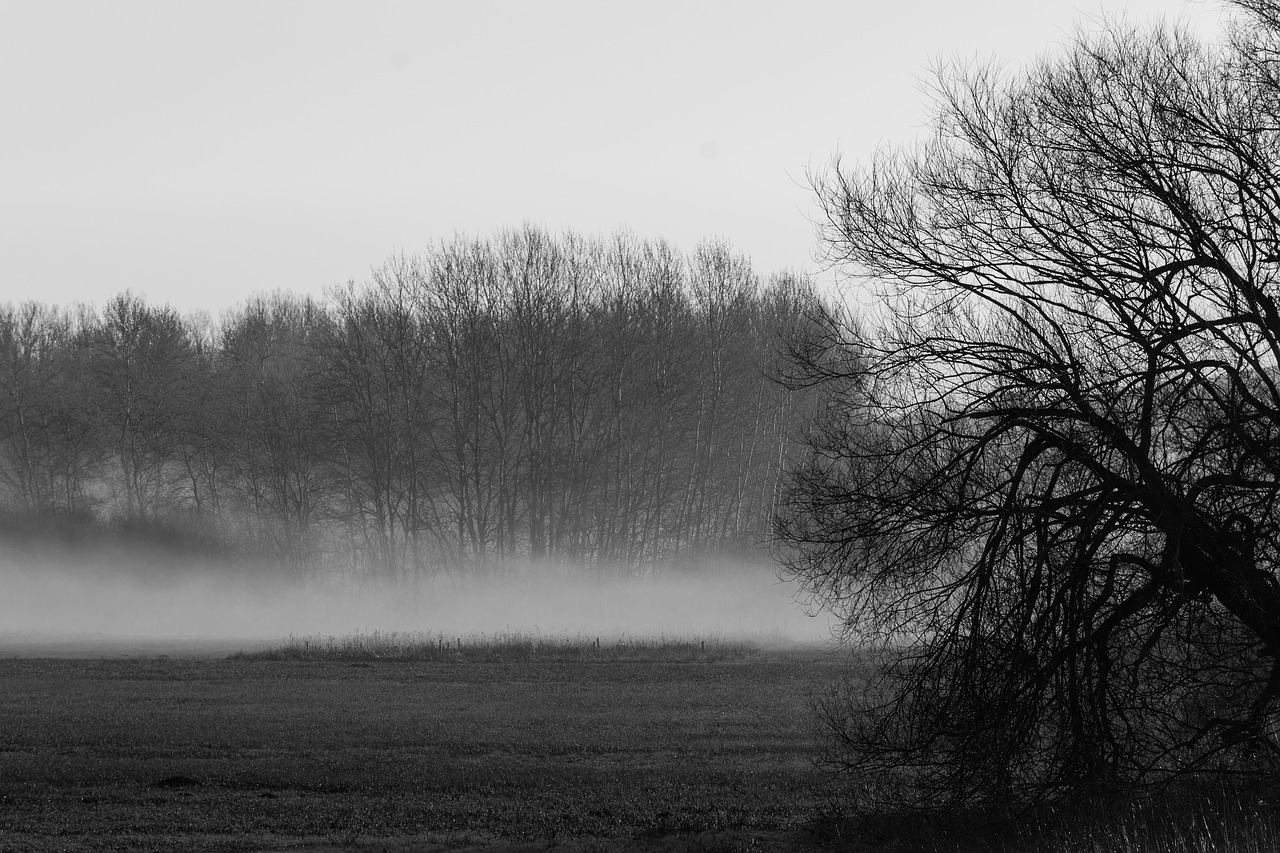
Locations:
column 1047, row 475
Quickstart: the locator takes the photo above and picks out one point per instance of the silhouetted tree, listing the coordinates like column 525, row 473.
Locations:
column 1047, row 476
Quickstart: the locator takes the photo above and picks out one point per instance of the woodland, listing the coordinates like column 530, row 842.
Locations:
column 601, row 403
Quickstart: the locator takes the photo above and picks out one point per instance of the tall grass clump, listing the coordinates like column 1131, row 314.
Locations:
column 1212, row 817
column 420, row 646
column 1219, row 820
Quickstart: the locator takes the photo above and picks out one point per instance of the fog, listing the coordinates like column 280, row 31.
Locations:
column 45, row 600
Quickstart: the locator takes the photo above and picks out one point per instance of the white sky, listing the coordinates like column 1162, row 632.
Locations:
column 198, row 152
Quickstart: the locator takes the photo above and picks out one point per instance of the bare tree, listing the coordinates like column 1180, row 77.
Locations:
column 1047, row 476
column 277, row 465
column 206, row 422
column 138, row 357
column 473, row 391
column 49, row 444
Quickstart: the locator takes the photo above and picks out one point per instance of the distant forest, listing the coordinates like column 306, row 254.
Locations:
column 602, row 402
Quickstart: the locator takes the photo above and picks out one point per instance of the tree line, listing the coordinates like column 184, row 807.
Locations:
column 603, row 401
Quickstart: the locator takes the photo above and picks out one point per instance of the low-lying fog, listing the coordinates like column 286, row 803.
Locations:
column 43, row 601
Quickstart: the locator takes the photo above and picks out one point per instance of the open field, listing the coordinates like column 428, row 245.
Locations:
column 695, row 751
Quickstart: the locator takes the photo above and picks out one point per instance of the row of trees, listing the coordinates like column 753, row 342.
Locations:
column 604, row 401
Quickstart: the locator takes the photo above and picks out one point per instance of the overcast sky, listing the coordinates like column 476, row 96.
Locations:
column 200, row 152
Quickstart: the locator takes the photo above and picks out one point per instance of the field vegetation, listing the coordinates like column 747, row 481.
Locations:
column 399, row 741
column 372, row 742
column 509, row 646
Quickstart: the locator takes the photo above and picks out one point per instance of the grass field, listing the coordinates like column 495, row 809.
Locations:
column 657, row 745
column 401, row 742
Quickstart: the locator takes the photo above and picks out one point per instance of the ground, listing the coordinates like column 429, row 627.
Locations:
column 147, row 753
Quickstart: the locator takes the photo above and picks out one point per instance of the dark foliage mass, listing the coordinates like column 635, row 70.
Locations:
column 1048, row 472
column 600, row 401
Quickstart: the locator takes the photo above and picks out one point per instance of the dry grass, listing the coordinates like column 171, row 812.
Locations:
column 1191, row 819
column 510, row 646
column 404, row 742
column 1214, row 821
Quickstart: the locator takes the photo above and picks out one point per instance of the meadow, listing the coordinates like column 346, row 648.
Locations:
column 400, row 742
column 416, row 742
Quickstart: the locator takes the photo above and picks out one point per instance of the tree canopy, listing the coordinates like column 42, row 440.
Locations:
column 1047, row 473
